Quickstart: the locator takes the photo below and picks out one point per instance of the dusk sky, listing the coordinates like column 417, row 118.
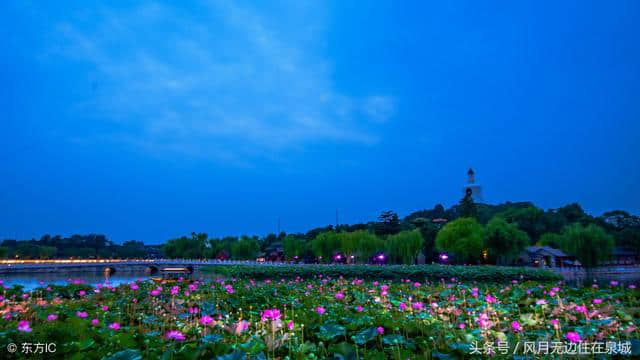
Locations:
column 151, row 120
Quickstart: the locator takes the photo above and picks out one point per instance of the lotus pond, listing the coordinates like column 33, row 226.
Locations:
column 319, row 317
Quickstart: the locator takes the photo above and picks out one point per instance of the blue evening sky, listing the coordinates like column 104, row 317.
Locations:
column 149, row 120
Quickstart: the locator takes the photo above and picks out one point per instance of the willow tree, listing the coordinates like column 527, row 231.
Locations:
column 505, row 241
column 325, row 244
column 367, row 244
column 590, row 244
column 404, row 247
column 293, row 246
column 245, row 248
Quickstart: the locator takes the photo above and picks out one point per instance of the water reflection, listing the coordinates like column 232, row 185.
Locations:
column 32, row 281
column 603, row 280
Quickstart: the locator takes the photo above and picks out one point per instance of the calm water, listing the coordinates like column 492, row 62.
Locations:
column 32, row 281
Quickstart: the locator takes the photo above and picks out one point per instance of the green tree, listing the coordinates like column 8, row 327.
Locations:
column 467, row 205
column 4, row 252
column 530, row 219
column 47, row 252
column 404, row 247
column 629, row 239
column 185, row 247
column 551, row 239
column 504, row 241
column 246, row 248
column 388, row 223
column 463, row 237
column 590, row 244
column 367, row 245
column 293, row 246
column 325, row 244
column 429, row 230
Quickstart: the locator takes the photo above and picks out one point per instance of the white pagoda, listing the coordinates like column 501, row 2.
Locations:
column 473, row 187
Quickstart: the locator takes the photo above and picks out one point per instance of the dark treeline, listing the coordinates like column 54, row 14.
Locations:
column 89, row 246
column 468, row 231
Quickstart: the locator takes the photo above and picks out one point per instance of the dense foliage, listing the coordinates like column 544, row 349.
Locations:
column 415, row 272
column 313, row 318
column 589, row 244
column 79, row 246
column 504, row 241
column 500, row 241
column 463, row 238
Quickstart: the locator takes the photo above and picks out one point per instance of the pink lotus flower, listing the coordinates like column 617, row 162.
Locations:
column 402, row 306
column 105, row 308
column 175, row 335
column 581, row 309
column 555, row 323
column 416, row 284
column 95, row 322
column 193, row 310
column 52, row 317
column 175, row 290
column 597, row 301
column 380, row 330
column 359, row 308
column 490, row 299
column 154, row 292
column 573, row 336
column 193, row 287
column 23, row 326
column 417, row 305
column 82, row 314
column 483, row 321
column 270, row 314
column 114, row 326
column 134, row 286
column 241, row 327
column 82, row 293
column 320, row 310
column 461, row 326
column 229, row 289
column 339, row 295
column 541, row 302
column 613, row 283
column 516, row 326
column 290, row 325
column 206, row 320
column 632, row 286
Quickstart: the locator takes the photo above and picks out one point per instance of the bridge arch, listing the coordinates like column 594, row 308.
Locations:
column 110, row 270
column 151, row 270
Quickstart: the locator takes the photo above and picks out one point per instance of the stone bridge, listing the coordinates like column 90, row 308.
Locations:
column 111, row 266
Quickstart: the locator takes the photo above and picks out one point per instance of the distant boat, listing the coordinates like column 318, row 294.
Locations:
column 174, row 274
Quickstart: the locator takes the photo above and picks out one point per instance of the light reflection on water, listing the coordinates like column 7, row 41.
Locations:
column 31, row 281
